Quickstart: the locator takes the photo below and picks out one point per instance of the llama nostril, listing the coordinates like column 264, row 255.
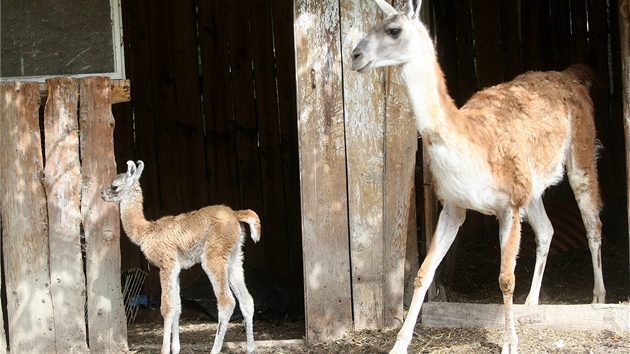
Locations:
column 355, row 55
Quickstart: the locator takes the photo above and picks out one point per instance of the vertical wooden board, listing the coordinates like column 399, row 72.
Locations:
column 3, row 334
column 167, row 165
column 273, row 193
column 188, row 105
column 246, row 121
column 509, row 16
column 400, row 157
column 446, row 47
column 599, row 61
column 62, row 181
column 217, row 103
column 624, row 36
column 364, row 124
column 466, row 53
column 401, row 145
column 107, row 326
column 560, row 34
column 24, row 221
column 485, row 15
column 579, row 31
column 285, row 73
column 322, row 171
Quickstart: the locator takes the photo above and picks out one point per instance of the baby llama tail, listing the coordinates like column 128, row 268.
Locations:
column 251, row 218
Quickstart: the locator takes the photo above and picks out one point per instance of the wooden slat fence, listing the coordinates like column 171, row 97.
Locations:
column 213, row 118
column 60, row 241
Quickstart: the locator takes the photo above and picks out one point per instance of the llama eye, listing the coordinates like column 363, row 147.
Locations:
column 394, row 32
column 115, row 188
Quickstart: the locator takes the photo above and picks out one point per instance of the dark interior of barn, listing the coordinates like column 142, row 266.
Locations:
column 213, row 116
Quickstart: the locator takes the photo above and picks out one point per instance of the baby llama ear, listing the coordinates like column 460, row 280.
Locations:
column 131, row 168
column 139, row 170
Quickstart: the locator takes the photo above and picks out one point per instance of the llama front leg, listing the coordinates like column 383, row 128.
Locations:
column 170, row 309
column 451, row 218
column 510, row 235
column 543, row 229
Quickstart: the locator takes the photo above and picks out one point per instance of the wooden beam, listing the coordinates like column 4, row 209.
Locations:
column 589, row 317
column 322, row 149
column 624, row 28
column 120, row 91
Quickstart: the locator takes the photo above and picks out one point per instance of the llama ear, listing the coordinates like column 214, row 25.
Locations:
column 413, row 12
column 131, row 168
column 139, row 169
column 387, row 9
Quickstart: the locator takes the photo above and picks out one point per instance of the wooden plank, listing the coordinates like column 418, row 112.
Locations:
column 62, row 181
column 24, row 221
column 589, row 317
column 322, row 170
column 166, row 139
column 510, row 21
column 560, row 34
column 245, row 119
column 194, row 181
column 466, row 53
column 446, row 47
column 364, row 110
column 121, row 91
column 3, row 334
column 401, row 139
column 137, row 17
column 579, row 32
column 285, row 59
column 485, row 15
column 624, row 34
column 217, row 103
column 101, row 224
column 272, row 177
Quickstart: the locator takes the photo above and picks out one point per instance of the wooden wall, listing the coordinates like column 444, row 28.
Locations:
column 482, row 43
column 213, row 117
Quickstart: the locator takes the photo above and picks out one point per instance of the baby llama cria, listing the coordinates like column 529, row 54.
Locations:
column 212, row 236
column 497, row 154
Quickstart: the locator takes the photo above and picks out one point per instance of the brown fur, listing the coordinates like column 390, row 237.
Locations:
column 212, row 236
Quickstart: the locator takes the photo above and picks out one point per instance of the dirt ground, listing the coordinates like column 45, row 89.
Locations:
column 568, row 280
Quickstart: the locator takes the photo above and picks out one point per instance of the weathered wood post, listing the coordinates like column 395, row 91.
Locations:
column 24, row 221
column 357, row 162
column 106, row 316
column 62, row 182
column 624, row 28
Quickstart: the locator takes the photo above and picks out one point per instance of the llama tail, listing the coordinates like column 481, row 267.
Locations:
column 582, row 74
column 251, row 218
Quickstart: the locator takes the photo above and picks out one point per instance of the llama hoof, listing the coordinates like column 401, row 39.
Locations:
column 509, row 349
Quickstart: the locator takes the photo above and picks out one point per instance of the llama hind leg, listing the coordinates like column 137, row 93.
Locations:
column 225, row 302
column 245, row 300
column 510, row 236
column 451, row 218
column 543, row 229
column 586, row 190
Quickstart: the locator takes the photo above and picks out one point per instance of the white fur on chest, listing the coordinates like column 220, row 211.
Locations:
column 463, row 178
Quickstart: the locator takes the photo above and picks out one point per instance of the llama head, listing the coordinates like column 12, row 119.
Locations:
column 123, row 182
column 398, row 39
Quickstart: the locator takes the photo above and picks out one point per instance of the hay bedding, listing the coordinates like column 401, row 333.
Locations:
column 568, row 280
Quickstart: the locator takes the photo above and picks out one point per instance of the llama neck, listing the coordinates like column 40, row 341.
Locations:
column 428, row 94
column 132, row 215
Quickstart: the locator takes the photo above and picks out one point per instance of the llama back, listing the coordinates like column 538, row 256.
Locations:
column 251, row 218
